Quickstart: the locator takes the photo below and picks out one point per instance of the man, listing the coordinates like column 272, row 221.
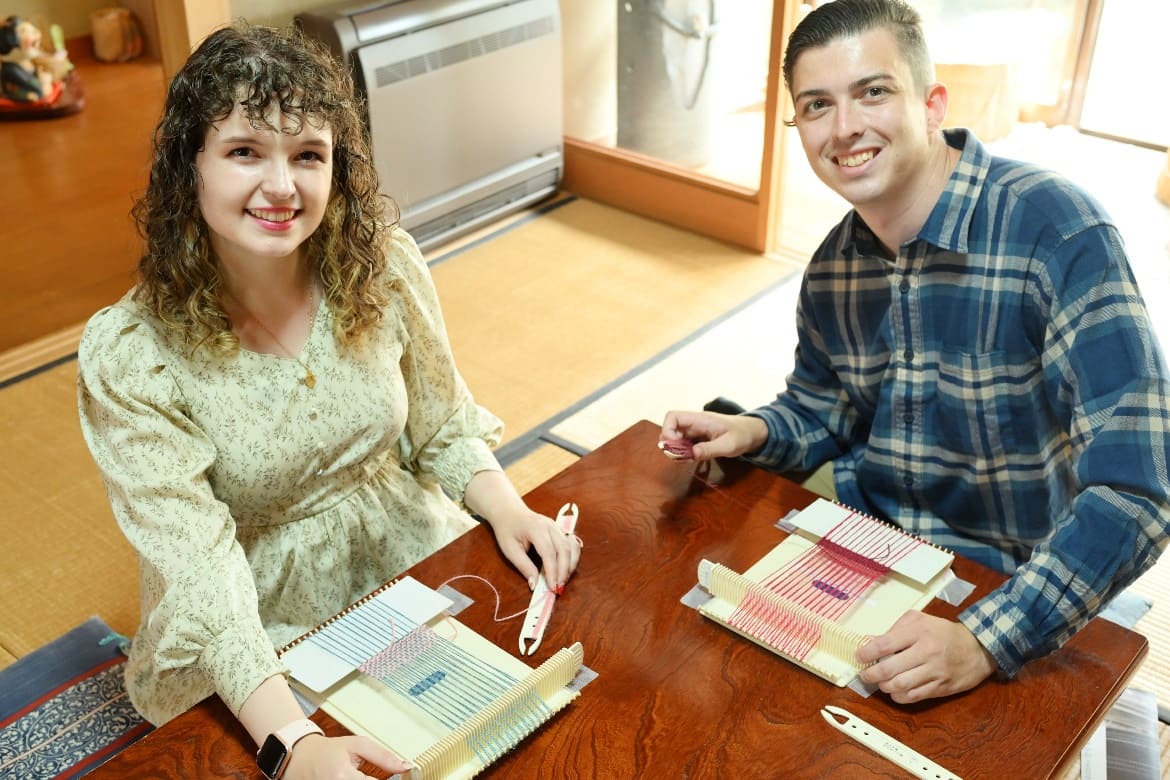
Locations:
column 974, row 360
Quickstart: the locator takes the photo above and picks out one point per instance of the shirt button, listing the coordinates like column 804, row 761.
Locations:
column 908, row 479
column 907, row 418
column 908, row 354
column 904, row 286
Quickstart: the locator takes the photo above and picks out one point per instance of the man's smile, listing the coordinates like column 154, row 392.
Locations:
column 854, row 160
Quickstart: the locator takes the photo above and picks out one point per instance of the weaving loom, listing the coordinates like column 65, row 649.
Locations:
column 396, row 668
column 837, row 579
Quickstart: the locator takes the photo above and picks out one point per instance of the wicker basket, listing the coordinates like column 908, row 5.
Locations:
column 116, row 37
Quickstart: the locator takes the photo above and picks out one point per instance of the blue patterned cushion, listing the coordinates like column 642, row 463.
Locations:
column 64, row 709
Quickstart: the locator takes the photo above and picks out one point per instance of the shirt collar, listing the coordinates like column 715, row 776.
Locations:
column 949, row 224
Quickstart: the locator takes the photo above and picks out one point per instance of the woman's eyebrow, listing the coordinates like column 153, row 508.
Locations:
column 251, row 139
column 237, row 139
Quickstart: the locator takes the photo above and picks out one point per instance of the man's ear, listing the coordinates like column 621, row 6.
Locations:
column 936, row 106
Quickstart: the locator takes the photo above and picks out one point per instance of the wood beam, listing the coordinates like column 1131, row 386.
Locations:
column 182, row 24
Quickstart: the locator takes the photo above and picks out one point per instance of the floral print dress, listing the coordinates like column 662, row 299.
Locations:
column 259, row 506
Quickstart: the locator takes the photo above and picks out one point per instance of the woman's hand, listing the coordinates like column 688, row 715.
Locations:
column 559, row 552
column 490, row 495
column 317, row 757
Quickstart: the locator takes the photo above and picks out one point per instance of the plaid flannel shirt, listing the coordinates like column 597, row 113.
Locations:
column 995, row 389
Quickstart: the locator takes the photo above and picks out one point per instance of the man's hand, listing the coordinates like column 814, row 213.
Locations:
column 925, row 657
column 715, row 435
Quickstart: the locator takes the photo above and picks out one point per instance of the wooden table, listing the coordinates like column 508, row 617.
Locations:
column 679, row 696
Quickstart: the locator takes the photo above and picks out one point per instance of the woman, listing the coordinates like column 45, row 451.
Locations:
column 274, row 408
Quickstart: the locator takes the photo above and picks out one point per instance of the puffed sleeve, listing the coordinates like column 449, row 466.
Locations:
column 200, row 615
column 447, row 434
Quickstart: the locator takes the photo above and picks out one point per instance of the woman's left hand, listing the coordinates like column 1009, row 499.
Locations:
column 559, row 552
column 490, row 495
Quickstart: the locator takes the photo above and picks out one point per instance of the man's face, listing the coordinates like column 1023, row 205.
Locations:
column 862, row 121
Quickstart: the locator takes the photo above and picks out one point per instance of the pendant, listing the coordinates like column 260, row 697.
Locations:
column 310, row 379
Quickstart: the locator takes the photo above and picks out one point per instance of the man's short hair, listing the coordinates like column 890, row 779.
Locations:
column 846, row 18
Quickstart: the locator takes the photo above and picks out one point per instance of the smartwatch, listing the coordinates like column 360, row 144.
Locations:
column 274, row 754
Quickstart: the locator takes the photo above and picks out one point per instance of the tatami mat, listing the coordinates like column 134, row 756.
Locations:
column 65, row 558
column 744, row 356
column 538, row 466
column 544, row 315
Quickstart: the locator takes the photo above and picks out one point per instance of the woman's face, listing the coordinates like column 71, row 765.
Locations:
column 263, row 193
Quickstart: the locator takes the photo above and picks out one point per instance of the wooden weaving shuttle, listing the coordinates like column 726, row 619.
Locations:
column 540, row 607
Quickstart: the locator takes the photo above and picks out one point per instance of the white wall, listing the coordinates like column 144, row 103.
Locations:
column 276, row 13
column 72, row 15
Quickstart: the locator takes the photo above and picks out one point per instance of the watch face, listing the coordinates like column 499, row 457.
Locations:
column 271, row 756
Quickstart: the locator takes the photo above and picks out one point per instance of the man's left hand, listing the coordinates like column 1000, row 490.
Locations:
column 925, row 657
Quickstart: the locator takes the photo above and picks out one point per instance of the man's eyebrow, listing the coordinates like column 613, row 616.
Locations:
column 853, row 87
column 809, row 93
column 865, row 82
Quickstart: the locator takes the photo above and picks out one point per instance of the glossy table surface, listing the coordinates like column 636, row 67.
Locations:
column 678, row 696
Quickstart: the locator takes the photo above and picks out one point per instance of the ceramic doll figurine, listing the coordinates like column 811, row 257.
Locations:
column 27, row 72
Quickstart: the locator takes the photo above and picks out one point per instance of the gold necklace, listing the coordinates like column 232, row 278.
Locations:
column 310, row 379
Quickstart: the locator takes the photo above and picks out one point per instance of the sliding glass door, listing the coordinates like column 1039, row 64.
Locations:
column 670, row 109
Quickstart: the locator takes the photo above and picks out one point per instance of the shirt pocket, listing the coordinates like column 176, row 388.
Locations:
column 982, row 405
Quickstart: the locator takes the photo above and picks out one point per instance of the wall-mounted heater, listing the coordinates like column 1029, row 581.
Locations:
column 464, row 100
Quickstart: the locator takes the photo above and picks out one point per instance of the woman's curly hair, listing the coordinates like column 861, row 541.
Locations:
column 258, row 68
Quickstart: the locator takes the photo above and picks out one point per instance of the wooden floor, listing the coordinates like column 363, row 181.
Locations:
column 69, row 244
